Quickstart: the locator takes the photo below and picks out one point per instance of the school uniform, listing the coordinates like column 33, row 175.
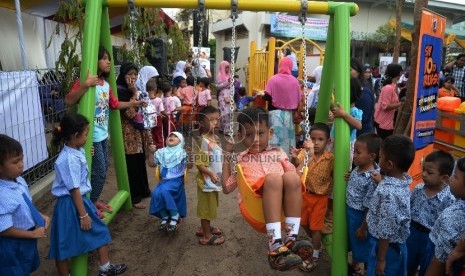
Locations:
column 424, row 212
column 389, row 218
column 17, row 256
column 357, row 188
column 67, row 239
column 448, row 229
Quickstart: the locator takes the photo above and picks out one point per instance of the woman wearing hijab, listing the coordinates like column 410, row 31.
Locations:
column 134, row 139
column 145, row 74
column 179, row 74
column 283, row 94
column 223, row 82
column 169, row 197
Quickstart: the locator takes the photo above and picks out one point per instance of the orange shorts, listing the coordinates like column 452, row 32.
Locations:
column 314, row 211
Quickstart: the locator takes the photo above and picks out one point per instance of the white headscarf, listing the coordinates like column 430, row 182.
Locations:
column 180, row 66
column 145, row 74
column 170, row 157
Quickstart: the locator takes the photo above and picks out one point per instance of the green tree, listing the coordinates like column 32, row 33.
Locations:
column 179, row 48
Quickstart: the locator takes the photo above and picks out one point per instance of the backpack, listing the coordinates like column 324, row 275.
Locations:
column 150, row 115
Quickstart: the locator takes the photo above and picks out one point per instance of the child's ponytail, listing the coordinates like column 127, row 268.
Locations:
column 71, row 124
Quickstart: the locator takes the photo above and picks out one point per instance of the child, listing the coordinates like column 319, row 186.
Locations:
column 388, row 215
column 104, row 101
column 427, row 201
column 208, row 177
column 204, row 99
column 169, row 122
column 155, row 96
column 450, row 225
column 366, row 150
column 21, row 224
column 244, row 100
column 456, row 259
column 76, row 228
column 169, row 197
column 275, row 180
column 319, row 183
column 187, row 95
column 448, row 89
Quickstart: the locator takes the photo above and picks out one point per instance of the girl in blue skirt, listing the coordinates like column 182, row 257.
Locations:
column 21, row 224
column 76, row 227
column 169, row 197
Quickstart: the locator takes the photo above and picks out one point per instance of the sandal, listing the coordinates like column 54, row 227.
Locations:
column 328, row 226
column 283, row 259
column 309, row 265
column 100, row 214
column 103, row 207
column 163, row 225
column 214, row 230
column 214, row 240
column 303, row 249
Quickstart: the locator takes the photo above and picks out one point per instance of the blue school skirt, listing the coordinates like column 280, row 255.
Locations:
column 169, row 195
column 18, row 256
column 67, row 239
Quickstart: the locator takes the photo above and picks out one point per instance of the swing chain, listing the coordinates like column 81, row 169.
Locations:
column 133, row 33
column 303, row 18
column 231, row 85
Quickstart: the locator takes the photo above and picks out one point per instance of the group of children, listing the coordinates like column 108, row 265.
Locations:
column 391, row 230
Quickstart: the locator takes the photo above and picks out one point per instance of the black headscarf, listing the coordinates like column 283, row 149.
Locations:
column 124, row 94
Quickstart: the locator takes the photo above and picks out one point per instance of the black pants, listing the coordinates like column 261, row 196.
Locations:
column 383, row 133
column 137, row 174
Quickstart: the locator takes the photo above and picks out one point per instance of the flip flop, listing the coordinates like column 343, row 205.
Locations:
column 214, row 240
column 215, row 231
column 100, row 214
column 103, row 207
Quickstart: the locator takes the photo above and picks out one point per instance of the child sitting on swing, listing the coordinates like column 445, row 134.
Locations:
column 169, row 197
column 273, row 178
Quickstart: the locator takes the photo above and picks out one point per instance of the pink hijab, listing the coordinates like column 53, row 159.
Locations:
column 284, row 88
column 223, row 75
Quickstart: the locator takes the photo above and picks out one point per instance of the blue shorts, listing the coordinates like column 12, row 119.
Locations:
column 396, row 259
column 360, row 248
column 18, row 256
column 420, row 250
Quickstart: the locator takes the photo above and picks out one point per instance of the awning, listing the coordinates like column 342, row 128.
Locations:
column 450, row 36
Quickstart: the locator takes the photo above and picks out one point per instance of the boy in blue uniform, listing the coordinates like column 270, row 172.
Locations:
column 450, row 225
column 21, row 224
column 360, row 182
column 388, row 215
column 427, row 201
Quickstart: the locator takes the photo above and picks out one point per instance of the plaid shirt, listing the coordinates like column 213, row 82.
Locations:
column 459, row 76
column 320, row 173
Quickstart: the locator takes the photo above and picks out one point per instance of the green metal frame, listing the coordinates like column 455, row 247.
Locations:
column 336, row 63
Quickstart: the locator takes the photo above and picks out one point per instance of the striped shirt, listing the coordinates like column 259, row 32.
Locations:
column 71, row 172
column 14, row 211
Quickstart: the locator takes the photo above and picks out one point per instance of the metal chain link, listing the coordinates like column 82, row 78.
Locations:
column 303, row 18
column 231, row 85
column 133, row 39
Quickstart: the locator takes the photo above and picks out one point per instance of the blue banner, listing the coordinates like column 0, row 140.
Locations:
column 427, row 93
column 290, row 26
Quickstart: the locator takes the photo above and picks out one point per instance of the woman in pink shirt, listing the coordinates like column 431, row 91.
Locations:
column 388, row 102
column 283, row 95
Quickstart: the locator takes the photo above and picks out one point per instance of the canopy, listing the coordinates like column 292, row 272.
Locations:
column 450, row 36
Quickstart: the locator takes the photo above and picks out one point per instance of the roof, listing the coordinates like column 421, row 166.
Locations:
column 48, row 8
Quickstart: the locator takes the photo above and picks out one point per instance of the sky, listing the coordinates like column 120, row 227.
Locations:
column 171, row 12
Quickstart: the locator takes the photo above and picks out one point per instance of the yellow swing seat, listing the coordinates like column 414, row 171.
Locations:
column 158, row 178
column 251, row 206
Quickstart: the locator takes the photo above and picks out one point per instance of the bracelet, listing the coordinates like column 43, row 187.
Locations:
column 84, row 216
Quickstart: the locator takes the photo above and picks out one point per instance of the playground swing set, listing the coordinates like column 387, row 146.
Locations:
column 97, row 32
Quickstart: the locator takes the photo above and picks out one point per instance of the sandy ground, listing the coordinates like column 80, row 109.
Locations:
column 137, row 242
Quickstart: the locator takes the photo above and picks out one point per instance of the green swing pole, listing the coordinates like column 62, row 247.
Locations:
column 324, row 96
column 87, row 103
column 341, row 144
column 122, row 198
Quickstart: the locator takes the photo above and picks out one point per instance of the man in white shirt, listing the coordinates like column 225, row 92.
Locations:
column 205, row 63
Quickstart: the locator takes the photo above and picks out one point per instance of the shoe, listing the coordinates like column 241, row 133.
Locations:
column 309, row 265
column 328, row 226
column 303, row 249
column 283, row 259
column 115, row 269
column 163, row 225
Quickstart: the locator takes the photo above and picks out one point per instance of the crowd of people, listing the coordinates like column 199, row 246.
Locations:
column 391, row 230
